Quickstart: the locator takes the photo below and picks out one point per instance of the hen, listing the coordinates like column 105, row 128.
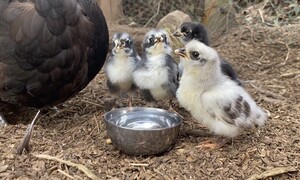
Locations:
column 49, row 49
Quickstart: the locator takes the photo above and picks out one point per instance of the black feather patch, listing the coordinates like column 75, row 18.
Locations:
column 211, row 113
column 113, row 89
column 147, row 95
column 228, row 70
column 246, row 109
column 236, row 109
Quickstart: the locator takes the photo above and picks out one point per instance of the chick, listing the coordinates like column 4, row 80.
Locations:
column 119, row 67
column 212, row 98
column 191, row 30
column 156, row 74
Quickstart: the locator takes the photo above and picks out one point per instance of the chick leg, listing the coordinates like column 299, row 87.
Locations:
column 114, row 102
column 214, row 144
column 130, row 96
column 130, row 101
column 173, row 110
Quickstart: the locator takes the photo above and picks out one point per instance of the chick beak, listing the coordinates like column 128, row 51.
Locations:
column 120, row 45
column 177, row 33
column 159, row 39
column 181, row 52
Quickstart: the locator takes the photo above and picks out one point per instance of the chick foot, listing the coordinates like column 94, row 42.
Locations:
column 213, row 144
column 174, row 111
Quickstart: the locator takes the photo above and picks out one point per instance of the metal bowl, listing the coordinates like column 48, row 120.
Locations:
column 142, row 130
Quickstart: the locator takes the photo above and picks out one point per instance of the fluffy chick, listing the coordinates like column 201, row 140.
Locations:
column 188, row 31
column 156, row 74
column 120, row 65
column 211, row 97
column 191, row 30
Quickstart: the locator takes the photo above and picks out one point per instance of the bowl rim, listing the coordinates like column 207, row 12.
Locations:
column 148, row 108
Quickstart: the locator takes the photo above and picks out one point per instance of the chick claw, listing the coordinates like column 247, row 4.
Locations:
column 212, row 144
column 208, row 144
column 174, row 111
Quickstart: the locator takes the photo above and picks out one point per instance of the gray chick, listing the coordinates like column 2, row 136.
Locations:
column 119, row 67
column 156, row 74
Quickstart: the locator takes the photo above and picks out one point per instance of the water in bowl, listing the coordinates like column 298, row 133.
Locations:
column 143, row 121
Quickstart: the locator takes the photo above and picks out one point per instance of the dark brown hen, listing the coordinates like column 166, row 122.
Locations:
column 49, row 49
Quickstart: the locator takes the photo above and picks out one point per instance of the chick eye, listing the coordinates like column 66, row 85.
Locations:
column 165, row 38
column 186, row 31
column 127, row 42
column 151, row 40
column 195, row 55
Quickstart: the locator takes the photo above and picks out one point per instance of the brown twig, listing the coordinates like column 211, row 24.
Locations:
column 287, row 54
column 97, row 123
column 261, row 15
column 157, row 12
column 290, row 74
column 160, row 173
column 90, row 102
column 208, row 12
column 65, row 174
column 273, row 172
column 268, row 93
column 139, row 164
column 81, row 167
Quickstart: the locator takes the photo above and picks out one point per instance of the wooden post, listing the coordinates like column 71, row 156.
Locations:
column 112, row 9
column 218, row 15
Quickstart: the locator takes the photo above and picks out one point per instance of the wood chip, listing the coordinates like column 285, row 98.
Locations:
column 81, row 167
column 180, row 151
column 136, row 164
column 108, row 141
column 65, row 174
column 290, row 75
column 273, row 172
column 3, row 168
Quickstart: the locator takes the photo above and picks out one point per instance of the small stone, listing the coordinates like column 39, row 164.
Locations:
column 3, row 168
column 180, row 151
column 173, row 20
column 190, row 159
column 108, row 141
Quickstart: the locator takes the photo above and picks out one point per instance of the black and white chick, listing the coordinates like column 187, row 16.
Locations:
column 192, row 30
column 119, row 67
column 156, row 74
column 213, row 98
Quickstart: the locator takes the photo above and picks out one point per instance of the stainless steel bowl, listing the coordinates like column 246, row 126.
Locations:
column 142, row 130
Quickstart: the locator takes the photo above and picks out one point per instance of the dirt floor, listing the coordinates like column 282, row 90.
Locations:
column 267, row 59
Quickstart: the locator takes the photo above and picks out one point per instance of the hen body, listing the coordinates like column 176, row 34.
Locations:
column 49, row 49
